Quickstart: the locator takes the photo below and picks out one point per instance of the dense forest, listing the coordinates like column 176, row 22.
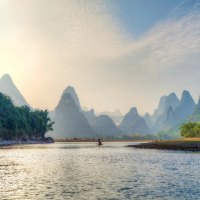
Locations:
column 21, row 123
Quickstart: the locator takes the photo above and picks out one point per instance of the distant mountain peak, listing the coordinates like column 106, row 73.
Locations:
column 92, row 111
column 172, row 95
column 133, row 123
column 115, row 115
column 186, row 107
column 185, row 93
column 8, row 87
column 6, row 77
column 67, row 96
column 133, row 110
column 70, row 122
column 186, row 96
column 165, row 102
column 103, row 125
column 70, row 90
column 67, row 100
column 147, row 115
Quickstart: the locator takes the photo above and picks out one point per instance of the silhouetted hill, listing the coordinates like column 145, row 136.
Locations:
column 165, row 102
column 103, row 125
column 70, row 90
column 185, row 108
column 70, row 122
column 8, row 87
column 132, row 123
column 116, row 115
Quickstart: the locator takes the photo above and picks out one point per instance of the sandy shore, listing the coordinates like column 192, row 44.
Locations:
column 183, row 145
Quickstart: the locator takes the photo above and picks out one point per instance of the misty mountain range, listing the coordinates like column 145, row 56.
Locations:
column 71, row 121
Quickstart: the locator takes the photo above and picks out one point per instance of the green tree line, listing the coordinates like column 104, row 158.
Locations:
column 190, row 129
column 21, row 122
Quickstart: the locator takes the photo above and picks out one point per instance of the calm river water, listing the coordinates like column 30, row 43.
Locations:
column 86, row 171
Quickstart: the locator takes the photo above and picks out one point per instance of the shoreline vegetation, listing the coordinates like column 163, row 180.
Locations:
column 190, row 132
column 185, row 144
column 21, row 125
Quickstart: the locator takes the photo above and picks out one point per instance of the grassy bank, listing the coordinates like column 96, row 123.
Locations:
column 185, row 144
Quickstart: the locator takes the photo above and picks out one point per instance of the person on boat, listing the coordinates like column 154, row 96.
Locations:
column 99, row 142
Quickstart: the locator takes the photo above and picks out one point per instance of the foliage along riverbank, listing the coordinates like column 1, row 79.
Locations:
column 170, row 145
column 191, row 141
column 20, row 125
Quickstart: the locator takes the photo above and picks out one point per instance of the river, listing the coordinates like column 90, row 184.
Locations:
column 86, row 171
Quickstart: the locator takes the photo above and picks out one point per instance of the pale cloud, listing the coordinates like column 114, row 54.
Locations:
column 49, row 44
column 171, row 44
column 57, row 41
column 167, row 57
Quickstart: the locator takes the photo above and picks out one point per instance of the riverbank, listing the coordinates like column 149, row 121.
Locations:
column 19, row 142
column 181, row 145
column 95, row 140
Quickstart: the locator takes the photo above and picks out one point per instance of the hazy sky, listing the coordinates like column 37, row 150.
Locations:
column 116, row 53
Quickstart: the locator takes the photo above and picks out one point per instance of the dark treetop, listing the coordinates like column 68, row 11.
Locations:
column 20, row 122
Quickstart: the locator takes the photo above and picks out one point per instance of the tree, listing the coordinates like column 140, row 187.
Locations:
column 18, row 122
column 190, row 129
column 41, row 123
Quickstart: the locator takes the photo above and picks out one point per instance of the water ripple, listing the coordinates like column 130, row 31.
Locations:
column 84, row 171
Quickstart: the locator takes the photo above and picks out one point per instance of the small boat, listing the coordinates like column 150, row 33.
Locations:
column 99, row 142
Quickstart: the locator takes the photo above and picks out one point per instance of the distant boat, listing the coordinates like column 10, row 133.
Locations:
column 99, row 142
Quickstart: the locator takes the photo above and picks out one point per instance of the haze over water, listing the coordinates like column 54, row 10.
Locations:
column 86, row 171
